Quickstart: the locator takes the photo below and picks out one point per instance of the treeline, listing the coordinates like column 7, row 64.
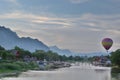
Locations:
column 21, row 54
column 115, row 58
column 18, row 60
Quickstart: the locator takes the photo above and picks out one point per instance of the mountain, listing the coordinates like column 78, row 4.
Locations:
column 61, row 51
column 93, row 54
column 9, row 39
column 69, row 53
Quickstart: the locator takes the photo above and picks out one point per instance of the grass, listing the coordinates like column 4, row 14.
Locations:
column 8, row 68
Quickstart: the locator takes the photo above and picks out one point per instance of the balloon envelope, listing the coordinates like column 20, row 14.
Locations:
column 107, row 43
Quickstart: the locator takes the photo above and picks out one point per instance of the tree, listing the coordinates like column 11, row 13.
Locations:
column 39, row 54
column 51, row 56
column 115, row 57
column 71, row 57
column 1, row 48
column 3, row 53
column 6, row 54
column 21, row 53
column 63, row 58
column 77, row 58
column 17, row 48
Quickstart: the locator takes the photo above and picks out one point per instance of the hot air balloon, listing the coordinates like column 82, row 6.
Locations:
column 107, row 43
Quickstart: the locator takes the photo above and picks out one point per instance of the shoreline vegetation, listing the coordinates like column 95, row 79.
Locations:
column 17, row 60
column 14, row 68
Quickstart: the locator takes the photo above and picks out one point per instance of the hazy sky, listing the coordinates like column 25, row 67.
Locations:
column 78, row 25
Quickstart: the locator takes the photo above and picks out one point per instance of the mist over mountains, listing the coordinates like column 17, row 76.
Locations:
column 9, row 39
column 61, row 51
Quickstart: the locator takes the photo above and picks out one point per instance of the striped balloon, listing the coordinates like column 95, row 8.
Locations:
column 107, row 43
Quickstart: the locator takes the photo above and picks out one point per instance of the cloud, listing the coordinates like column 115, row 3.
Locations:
column 92, row 22
column 95, row 29
column 113, row 31
column 87, row 30
column 54, row 22
column 87, row 21
column 79, row 1
column 36, row 19
column 13, row 2
column 99, row 22
column 73, row 32
column 114, row 0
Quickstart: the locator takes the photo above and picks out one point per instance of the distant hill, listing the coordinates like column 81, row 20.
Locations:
column 94, row 54
column 69, row 53
column 9, row 39
column 61, row 51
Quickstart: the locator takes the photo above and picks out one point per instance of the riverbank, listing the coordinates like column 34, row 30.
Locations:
column 14, row 68
column 83, row 72
column 115, row 69
column 116, row 72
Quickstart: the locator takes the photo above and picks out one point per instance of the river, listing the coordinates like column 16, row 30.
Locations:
column 81, row 72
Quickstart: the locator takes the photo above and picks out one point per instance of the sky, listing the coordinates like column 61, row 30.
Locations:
column 78, row 25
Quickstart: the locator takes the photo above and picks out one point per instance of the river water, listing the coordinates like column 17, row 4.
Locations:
column 81, row 72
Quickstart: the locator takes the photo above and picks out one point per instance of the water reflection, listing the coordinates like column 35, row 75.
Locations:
column 82, row 72
column 115, row 76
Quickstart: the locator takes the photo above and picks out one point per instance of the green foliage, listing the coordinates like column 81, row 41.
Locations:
column 115, row 57
column 1, row 48
column 9, row 66
column 23, row 65
column 27, row 66
column 63, row 58
column 3, row 54
column 51, row 56
column 115, row 70
column 78, row 58
column 17, row 66
column 39, row 54
column 6, row 55
column 12, row 62
column 22, row 52
column 70, row 58
column 33, row 65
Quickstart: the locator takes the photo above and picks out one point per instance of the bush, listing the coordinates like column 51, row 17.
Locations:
column 10, row 66
column 17, row 66
column 6, row 61
column 33, row 65
column 116, row 70
column 23, row 65
column 115, row 57
column 27, row 65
